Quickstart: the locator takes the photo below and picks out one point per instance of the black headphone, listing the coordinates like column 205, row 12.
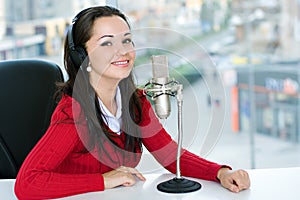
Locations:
column 78, row 54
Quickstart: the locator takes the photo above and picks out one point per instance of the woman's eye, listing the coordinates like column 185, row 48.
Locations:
column 127, row 41
column 106, row 44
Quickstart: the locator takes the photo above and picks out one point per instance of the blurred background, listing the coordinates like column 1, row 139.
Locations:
column 253, row 45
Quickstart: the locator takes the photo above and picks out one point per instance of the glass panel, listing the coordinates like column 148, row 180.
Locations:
column 250, row 47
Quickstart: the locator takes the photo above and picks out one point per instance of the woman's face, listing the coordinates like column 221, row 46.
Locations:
column 110, row 49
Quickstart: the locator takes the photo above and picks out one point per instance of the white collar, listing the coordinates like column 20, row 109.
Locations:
column 113, row 122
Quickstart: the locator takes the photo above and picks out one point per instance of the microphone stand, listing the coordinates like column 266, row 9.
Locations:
column 178, row 184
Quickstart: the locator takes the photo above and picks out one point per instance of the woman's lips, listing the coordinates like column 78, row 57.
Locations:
column 121, row 63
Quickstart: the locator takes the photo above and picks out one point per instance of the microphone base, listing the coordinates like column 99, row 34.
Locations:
column 178, row 185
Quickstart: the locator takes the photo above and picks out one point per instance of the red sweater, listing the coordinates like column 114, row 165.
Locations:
column 60, row 166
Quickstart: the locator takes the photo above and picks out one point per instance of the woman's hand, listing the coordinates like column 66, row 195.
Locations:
column 125, row 176
column 234, row 181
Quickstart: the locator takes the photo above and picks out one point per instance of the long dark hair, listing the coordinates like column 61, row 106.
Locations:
column 79, row 87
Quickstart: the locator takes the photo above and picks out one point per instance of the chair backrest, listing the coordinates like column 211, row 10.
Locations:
column 27, row 88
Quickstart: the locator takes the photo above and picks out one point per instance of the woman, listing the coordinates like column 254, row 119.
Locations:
column 96, row 133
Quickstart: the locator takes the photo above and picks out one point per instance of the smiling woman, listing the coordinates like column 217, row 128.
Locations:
column 115, row 46
column 94, row 141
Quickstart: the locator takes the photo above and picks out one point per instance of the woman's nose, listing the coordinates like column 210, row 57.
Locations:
column 123, row 49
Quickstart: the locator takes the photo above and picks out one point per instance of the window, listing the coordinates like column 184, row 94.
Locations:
column 235, row 35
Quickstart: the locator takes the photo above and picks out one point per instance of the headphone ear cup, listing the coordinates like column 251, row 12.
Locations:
column 78, row 56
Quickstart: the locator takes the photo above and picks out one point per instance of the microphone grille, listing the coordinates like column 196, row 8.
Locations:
column 160, row 66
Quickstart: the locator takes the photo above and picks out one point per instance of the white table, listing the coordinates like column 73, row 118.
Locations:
column 275, row 184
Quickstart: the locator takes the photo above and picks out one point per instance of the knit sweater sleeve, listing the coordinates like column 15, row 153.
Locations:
column 164, row 149
column 38, row 177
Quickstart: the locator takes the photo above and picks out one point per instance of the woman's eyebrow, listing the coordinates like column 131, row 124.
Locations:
column 111, row 36
column 104, row 36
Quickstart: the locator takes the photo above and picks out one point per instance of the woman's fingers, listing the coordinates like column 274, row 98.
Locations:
column 235, row 181
column 135, row 172
column 122, row 176
column 132, row 171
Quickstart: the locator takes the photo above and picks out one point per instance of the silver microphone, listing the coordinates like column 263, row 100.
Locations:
column 160, row 75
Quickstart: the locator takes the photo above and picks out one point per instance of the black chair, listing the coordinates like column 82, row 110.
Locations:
column 27, row 88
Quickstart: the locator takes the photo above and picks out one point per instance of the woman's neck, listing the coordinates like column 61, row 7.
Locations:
column 107, row 93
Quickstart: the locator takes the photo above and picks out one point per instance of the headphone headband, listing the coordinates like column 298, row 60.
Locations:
column 75, row 19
